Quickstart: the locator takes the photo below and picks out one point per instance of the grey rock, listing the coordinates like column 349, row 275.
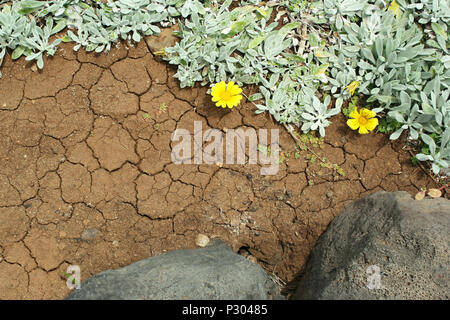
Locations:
column 214, row 272
column 164, row 40
column 389, row 237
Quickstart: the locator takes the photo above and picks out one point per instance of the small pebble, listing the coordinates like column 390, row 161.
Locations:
column 202, row 240
column 235, row 221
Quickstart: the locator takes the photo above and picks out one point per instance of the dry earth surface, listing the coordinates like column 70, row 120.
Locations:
column 87, row 179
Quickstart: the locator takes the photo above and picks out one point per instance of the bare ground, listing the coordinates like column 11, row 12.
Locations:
column 86, row 179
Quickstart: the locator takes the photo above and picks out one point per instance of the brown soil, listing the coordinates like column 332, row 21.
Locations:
column 85, row 179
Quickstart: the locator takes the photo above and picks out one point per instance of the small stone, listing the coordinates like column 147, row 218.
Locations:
column 202, row 240
column 343, row 140
column 62, row 234
column 434, row 193
column 115, row 243
column 420, row 195
column 252, row 259
column 249, row 177
column 164, row 40
column 329, row 194
column 33, row 68
column 235, row 221
column 89, row 234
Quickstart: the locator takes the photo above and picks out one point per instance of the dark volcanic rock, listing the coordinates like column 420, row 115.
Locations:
column 383, row 246
column 214, row 272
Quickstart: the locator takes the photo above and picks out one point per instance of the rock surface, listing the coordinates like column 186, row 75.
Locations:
column 386, row 241
column 164, row 40
column 213, row 272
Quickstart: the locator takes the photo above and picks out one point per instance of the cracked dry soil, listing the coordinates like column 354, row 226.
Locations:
column 85, row 179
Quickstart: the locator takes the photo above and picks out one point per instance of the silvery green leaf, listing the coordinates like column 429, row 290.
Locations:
column 430, row 142
column 396, row 134
column 255, row 96
column 322, row 131
column 17, row 53
column 339, row 22
column 339, row 102
column 439, row 30
column 435, row 168
column 445, row 138
column 40, row 61
column 423, row 157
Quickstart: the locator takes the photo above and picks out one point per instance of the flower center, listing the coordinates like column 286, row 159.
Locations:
column 226, row 95
column 362, row 121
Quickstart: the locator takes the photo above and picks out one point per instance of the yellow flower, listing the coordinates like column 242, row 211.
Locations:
column 352, row 87
column 395, row 8
column 226, row 95
column 364, row 120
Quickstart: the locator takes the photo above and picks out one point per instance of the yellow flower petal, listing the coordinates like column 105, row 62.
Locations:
column 220, row 103
column 226, row 95
column 371, row 124
column 363, row 130
column 218, row 88
column 352, row 87
column 354, row 114
column 366, row 113
column 353, row 123
column 394, row 7
column 234, row 101
column 233, row 89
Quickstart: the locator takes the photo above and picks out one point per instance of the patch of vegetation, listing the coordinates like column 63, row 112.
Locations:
column 396, row 53
column 306, row 145
column 353, row 103
column 388, row 126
